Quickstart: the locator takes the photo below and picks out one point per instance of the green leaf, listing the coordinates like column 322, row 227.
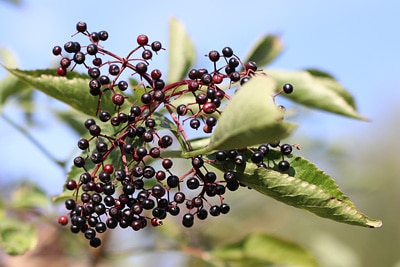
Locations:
column 303, row 186
column 28, row 195
column 317, row 90
column 72, row 89
column 264, row 250
column 265, row 50
column 250, row 118
column 17, row 237
column 182, row 53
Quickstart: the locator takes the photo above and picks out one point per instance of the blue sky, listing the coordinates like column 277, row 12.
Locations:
column 356, row 41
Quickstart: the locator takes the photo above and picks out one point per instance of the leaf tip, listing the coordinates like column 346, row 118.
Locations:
column 374, row 223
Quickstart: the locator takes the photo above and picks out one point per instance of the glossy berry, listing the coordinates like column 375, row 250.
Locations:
column 167, row 163
column 146, row 98
column 103, row 35
column 244, row 80
column 142, row 39
column 63, row 220
column 118, row 99
column 181, row 110
column 192, row 183
column 141, row 68
column 71, row 185
column 114, row 69
column 79, row 162
column 224, row 208
column 227, row 51
column 233, row 62
column 156, row 46
column 214, row 55
column 94, row 130
column 122, row 85
column 61, row 71
column 108, row 168
column 188, row 220
column 147, row 54
column 65, row 62
column 197, row 162
column 221, row 155
column 251, row 65
column 257, row 157
column 194, row 123
column 104, row 116
column 57, row 50
column 215, row 210
column 209, row 107
column 287, row 88
column 283, row 165
column 92, row 49
column 202, row 214
column 263, row 149
column 94, row 72
column 286, row 149
column 155, row 74
column 179, row 197
column 81, row 26
column 173, row 181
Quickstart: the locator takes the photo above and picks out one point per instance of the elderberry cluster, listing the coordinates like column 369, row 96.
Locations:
column 126, row 180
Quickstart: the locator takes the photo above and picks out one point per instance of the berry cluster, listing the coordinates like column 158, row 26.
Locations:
column 126, row 180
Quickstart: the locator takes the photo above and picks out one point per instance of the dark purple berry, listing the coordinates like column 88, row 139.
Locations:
column 81, row 26
column 286, row 149
column 288, row 88
column 227, row 51
column 283, row 165
column 188, row 220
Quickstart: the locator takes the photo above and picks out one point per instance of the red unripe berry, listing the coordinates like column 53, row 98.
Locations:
column 209, row 107
column 61, row 71
column 156, row 74
column 108, row 168
column 118, row 99
column 142, row 39
column 63, row 220
column 156, row 222
column 218, row 78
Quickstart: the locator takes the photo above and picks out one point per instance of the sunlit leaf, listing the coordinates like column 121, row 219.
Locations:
column 317, row 90
column 264, row 250
column 17, row 237
column 303, row 186
column 181, row 51
column 250, row 118
column 72, row 89
column 265, row 50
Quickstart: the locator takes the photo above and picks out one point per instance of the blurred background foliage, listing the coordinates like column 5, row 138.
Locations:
column 364, row 161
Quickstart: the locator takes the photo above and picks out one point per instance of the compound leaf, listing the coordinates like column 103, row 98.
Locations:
column 181, row 51
column 72, row 89
column 259, row 249
column 318, row 90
